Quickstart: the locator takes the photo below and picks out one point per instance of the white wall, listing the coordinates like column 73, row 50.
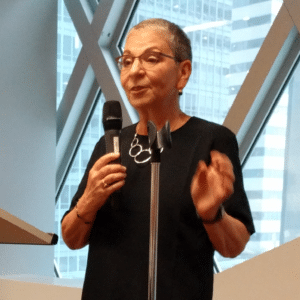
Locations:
column 27, row 126
column 273, row 275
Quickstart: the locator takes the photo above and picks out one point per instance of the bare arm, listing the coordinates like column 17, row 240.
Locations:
column 103, row 180
column 211, row 186
column 229, row 236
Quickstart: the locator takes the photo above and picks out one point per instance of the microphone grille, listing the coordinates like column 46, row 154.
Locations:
column 112, row 109
column 112, row 115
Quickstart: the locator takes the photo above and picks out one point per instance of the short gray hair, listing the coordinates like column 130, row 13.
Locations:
column 179, row 42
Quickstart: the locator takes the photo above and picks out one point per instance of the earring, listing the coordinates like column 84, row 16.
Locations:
column 179, row 92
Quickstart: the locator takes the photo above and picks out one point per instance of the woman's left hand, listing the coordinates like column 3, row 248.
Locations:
column 212, row 185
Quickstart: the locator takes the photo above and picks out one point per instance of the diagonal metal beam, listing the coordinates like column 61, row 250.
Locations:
column 99, row 57
column 293, row 8
column 109, row 19
column 76, row 80
column 109, row 32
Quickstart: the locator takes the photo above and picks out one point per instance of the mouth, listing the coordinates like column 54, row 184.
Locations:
column 138, row 88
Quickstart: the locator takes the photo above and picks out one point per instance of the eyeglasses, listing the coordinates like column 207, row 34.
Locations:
column 148, row 60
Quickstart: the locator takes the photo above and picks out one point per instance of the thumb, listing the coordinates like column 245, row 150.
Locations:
column 201, row 168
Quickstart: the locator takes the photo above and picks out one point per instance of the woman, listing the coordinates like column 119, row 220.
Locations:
column 203, row 206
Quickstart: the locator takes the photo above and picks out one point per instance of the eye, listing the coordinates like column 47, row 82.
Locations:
column 126, row 61
column 151, row 58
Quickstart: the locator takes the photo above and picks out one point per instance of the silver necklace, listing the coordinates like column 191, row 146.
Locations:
column 136, row 151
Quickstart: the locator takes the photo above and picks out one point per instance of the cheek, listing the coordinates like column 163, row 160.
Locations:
column 123, row 81
column 164, row 80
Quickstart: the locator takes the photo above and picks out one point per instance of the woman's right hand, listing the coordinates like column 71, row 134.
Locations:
column 104, row 178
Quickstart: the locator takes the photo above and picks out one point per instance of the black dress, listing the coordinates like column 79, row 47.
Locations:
column 118, row 256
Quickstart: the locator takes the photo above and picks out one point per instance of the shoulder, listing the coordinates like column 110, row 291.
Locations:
column 210, row 128
column 212, row 136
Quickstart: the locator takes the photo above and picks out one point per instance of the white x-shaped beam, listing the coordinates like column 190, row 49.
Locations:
column 99, row 33
column 100, row 57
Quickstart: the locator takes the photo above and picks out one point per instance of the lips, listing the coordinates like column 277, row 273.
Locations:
column 138, row 88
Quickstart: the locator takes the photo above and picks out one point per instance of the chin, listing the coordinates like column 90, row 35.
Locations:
column 140, row 103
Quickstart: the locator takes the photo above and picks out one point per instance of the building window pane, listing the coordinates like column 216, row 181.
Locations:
column 272, row 178
column 68, row 49
column 213, row 48
column 72, row 265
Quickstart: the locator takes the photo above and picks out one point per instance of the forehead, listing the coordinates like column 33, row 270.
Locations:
column 139, row 40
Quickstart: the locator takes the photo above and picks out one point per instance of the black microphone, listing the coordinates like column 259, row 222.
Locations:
column 112, row 123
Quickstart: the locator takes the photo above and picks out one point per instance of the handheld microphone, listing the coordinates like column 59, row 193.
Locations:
column 112, row 123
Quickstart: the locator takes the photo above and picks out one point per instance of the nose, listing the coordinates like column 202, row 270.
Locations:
column 136, row 66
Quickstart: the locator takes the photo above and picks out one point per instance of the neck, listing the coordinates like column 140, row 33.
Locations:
column 176, row 118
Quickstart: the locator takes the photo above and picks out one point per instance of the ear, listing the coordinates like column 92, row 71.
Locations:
column 184, row 72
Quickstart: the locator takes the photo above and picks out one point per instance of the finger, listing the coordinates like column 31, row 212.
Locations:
column 220, row 186
column 228, row 189
column 99, row 174
column 222, row 164
column 111, row 169
column 223, row 183
column 201, row 168
column 105, row 159
column 219, row 159
column 114, row 178
column 114, row 187
column 199, row 181
column 228, row 186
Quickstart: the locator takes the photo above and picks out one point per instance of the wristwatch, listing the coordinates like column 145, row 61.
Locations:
column 219, row 216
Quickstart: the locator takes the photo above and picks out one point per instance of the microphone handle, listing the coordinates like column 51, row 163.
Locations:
column 112, row 144
column 112, row 141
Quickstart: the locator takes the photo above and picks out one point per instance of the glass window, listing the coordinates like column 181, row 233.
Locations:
column 191, row 7
column 272, row 178
column 82, row 262
column 213, row 11
column 217, row 46
column 241, row 3
column 63, row 263
column 76, row 263
column 255, row 43
column 183, row 4
column 256, row 21
column 68, row 49
column 159, row 4
column 198, row 10
column 72, row 263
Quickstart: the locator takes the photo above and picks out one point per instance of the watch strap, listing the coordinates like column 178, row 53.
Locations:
column 219, row 216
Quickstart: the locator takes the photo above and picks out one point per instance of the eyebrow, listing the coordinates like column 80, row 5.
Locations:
column 127, row 52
